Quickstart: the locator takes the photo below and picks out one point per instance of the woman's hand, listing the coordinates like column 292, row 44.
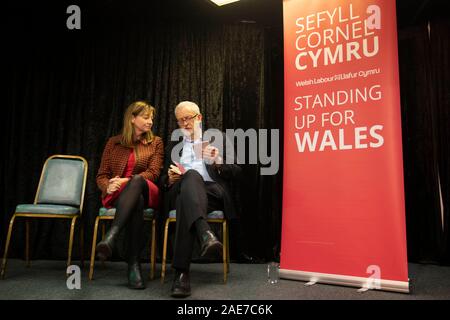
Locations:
column 115, row 184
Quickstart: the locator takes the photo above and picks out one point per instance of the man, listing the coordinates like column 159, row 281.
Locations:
column 196, row 180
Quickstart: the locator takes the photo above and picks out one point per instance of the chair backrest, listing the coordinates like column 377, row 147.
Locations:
column 63, row 181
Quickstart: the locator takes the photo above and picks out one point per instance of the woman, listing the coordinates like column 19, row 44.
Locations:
column 130, row 166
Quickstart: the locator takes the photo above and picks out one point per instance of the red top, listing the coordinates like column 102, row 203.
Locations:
column 108, row 201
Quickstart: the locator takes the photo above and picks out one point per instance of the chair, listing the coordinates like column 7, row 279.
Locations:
column 213, row 217
column 60, row 195
column 108, row 214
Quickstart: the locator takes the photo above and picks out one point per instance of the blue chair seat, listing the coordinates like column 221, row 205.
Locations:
column 211, row 215
column 46, row 208
column 148, row 213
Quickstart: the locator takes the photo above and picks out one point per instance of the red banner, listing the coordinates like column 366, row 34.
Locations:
column 343, row 200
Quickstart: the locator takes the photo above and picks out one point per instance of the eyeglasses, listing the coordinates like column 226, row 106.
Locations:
column 186, row 119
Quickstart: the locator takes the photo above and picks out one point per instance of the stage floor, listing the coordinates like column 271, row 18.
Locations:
column 47, row 280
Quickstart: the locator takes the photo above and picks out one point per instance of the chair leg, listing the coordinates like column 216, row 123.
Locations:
column 72, row 229
column 82, row 244
column 153, row 247
column 228, row 250
column 163, row 265
column 103, row 225
column 94, row 243
column 224, row 251
column 27, row 242
column 8, row 239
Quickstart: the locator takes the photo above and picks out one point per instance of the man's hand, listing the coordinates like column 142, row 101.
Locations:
column 211, row 155
column 174, row 174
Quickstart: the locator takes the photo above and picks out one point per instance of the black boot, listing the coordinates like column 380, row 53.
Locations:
column 105, row 247
column 135, row 280
column 181, row 286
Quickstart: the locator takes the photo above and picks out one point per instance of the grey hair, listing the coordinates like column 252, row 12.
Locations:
column 188, row 105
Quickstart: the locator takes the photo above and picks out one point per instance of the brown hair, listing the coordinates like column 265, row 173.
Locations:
column 135, row 109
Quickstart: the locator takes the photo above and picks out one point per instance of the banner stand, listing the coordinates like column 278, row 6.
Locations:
column 349, row 281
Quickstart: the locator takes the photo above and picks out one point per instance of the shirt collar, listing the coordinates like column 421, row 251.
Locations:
column 189, row 140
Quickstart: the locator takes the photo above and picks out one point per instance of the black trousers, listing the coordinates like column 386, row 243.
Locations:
column 192, row 198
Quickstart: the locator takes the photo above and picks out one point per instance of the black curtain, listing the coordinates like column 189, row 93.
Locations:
column 425, row 100
column 66, row 91
column 440, row 55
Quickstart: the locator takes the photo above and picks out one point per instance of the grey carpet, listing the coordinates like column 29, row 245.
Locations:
column 47, row 280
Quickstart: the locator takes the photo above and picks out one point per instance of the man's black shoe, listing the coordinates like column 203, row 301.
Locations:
column 135, row 280
column 211, row 246
column 181, row 287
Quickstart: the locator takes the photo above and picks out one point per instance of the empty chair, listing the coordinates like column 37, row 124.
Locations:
column 59, row 195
